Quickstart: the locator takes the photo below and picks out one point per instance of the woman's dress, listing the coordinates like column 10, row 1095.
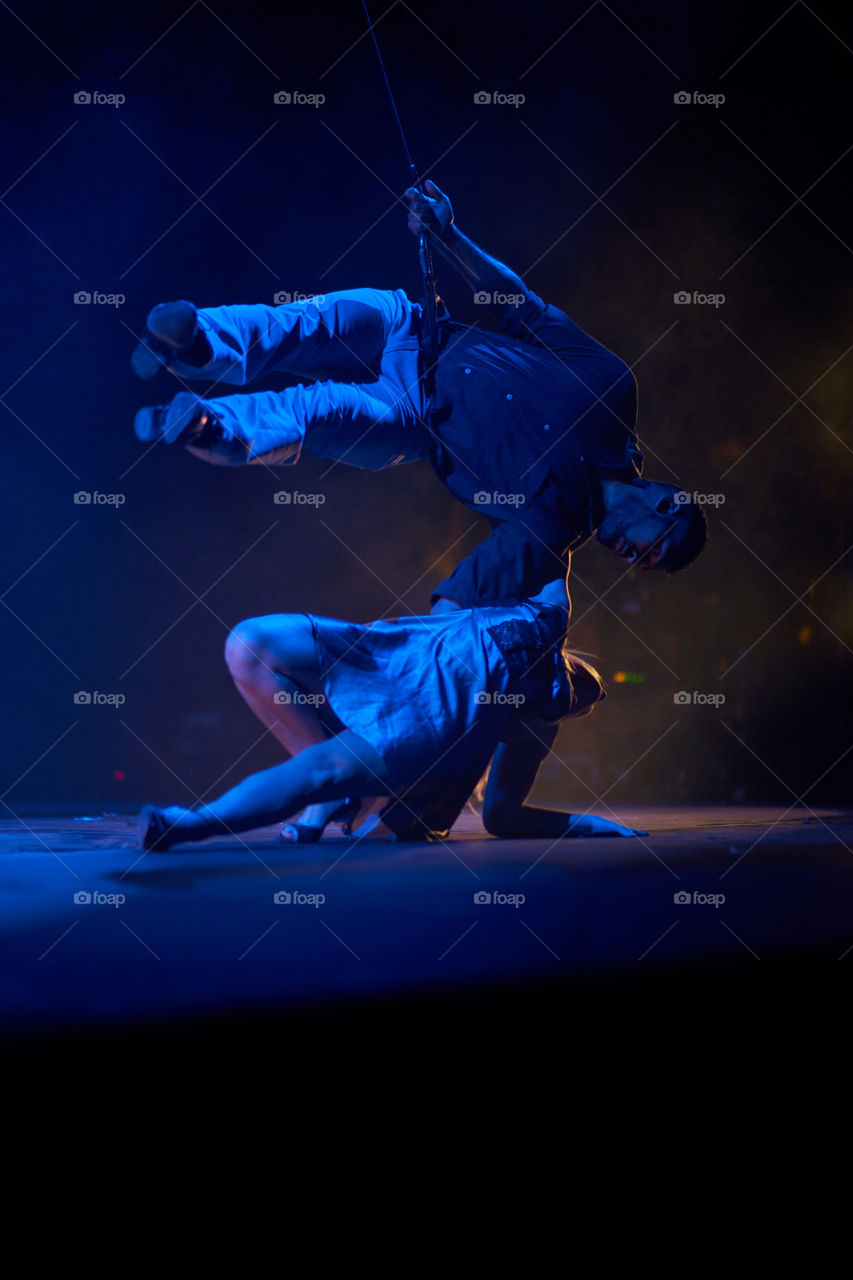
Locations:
column 435, row 696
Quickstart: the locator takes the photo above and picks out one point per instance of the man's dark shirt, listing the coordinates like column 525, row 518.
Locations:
column 521, row 415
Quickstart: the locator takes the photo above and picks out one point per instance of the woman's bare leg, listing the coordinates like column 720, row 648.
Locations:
column 273, row 663
column 328, row 771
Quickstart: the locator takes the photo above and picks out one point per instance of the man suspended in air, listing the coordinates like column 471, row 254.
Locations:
column 532, row 427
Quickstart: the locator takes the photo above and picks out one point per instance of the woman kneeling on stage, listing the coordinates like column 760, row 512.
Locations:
column 391, row 725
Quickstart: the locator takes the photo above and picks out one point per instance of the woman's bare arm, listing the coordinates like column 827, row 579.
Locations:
column 511, row 777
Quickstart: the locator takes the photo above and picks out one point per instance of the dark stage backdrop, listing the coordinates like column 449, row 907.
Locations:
column 150, row 153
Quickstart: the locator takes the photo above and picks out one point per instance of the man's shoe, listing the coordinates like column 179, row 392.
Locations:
column 172, row 331
column 186, row 417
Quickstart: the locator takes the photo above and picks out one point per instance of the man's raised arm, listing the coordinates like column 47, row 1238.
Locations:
column 432, row 212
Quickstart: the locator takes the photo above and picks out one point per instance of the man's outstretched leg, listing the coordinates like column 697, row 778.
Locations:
column 340, row 335
column 368, row 412
column 372, row 426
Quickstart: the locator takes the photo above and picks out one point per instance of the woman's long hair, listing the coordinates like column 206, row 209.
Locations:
column 586, row 681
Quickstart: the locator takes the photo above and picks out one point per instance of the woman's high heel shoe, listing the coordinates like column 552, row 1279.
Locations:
column 304, row 834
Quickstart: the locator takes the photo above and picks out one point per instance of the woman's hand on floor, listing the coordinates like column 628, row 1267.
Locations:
column 587, row 824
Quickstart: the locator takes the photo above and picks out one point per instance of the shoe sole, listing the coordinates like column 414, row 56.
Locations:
column 145, row 362
column 158, row 349
column 167, row 422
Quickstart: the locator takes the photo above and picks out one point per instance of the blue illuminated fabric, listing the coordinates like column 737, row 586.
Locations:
column 519, row 416
column 435, row 696
column 528, row 411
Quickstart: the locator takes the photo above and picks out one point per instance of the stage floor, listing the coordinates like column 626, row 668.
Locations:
column 97, row 933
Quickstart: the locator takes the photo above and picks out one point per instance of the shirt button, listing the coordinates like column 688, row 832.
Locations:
column 547, row 426
column 467, row 370
column 509, row 395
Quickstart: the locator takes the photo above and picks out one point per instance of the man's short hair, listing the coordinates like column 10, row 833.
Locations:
column 692, row 539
